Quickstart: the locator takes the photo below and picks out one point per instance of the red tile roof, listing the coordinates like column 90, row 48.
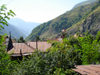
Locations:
column 27, row 48
column 20, row 47
column 42, row 46
column 88, row 69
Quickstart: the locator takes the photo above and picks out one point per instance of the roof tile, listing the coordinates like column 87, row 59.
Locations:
column 88, row 69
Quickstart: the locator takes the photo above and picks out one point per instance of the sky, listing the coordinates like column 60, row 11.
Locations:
column 39, row 10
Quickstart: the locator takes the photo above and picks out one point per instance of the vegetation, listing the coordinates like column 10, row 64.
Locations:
column 57, row 60
column 4, row 28
column 61, row 57
column 89, row 24
column 21, row 40
column 51, row 29
column 4, row 15
column 4, row 57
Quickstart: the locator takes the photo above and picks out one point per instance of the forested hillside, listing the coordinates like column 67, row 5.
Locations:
column 85, row 3
column 63, row 56
column 51, row 29
column 90, row 24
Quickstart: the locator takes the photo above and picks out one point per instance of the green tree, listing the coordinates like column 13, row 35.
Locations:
column 4, row 57
column 4, row 15
column 99, row 1
column 21, row 40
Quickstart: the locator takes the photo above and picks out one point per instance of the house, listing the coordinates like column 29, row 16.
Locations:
column 20, row 49
column 42, row 46
column 88, row 69
column 17, row 50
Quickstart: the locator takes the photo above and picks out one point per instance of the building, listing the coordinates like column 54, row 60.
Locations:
column 87, row 69
column 17, row 50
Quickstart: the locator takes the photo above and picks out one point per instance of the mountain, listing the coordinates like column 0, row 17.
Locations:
column 52, row 28
column 85, row 3
column 14, row 31
column 24, row 27
column 90, row 24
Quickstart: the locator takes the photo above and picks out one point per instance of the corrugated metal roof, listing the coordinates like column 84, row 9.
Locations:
column 88, row 69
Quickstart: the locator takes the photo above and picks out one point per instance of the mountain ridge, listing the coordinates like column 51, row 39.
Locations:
column 52, row 28
column 14, row 31
column 90, row 24
column 85, row 3
column 23, row 26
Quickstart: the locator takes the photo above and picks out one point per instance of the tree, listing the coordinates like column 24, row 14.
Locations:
column 4, row 15
column 21, row 40
column 4, row 57
column 99, row 1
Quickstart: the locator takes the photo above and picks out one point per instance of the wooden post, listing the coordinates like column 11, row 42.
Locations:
column 21, row 54
column 37, row 38
column 36, row 44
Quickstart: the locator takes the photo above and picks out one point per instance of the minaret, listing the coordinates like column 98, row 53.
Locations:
column 10, row 44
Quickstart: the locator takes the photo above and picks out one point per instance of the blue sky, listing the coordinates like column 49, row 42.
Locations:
column 39, row 10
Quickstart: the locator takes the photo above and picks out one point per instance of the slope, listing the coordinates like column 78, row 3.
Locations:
column 23, row 26
column 52, row 28
column 85, row 3
column 14, row 31
column 90, row 24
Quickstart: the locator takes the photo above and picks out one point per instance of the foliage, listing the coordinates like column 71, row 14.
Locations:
column 62, row 56
column 57, row 60
column 44, row 64
column 4, row 57
column 4, row 15
column 90, row 23
column 52, row 28
column 21, row 40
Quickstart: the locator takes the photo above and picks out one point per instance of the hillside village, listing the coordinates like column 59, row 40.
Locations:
column 17, row 50
column 66, row 45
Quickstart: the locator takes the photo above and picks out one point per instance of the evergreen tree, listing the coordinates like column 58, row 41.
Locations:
column 21, row 40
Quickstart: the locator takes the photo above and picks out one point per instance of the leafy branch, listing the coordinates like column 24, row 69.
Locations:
column 5, row 15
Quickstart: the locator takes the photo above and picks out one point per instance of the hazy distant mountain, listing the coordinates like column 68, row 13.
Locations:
column 15, row 33
column 24, row 27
